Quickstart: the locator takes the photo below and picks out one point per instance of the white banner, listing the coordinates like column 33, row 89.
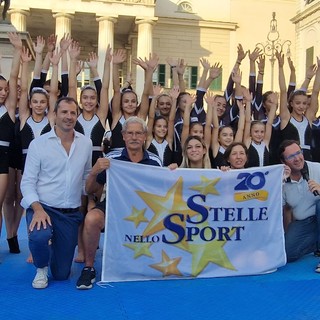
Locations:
column 190, row 223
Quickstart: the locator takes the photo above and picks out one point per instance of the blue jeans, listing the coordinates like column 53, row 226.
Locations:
column 56, row 243
column 301, row 238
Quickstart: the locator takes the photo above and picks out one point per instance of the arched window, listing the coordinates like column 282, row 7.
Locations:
column 185, row 6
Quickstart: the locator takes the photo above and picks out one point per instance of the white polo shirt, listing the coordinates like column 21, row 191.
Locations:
column 52, row 176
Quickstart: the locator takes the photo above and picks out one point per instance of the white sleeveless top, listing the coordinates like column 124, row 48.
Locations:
column 160, row 147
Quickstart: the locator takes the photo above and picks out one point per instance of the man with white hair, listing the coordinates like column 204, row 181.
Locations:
column 134, row 132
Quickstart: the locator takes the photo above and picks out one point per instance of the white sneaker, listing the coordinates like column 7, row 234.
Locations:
column 40, row 281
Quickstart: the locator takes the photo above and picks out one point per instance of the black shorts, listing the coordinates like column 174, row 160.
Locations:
column 15, row 149
column 101, row 205
column 15, row 157
column 4, row 160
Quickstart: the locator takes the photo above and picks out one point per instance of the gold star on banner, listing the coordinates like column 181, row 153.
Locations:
column 172, row 202
column 168, row 266
column 204, row 252
column 207, row 186
column 140, row 249
column 137, row 216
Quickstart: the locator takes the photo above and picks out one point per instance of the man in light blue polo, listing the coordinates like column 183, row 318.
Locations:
column 301, row 201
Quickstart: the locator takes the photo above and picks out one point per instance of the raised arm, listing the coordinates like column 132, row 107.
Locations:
column 181, row 67
column 118, row 57
column 38, row 47
column 214, row 73
column 237, row 77
column 258, row 109
column 229, row 89
column 206, row 66
column 241, row 54
column 190, row 100
column 210, row 98
column 51, row 46
column 74, row 53
column 314, row 103
column 53, row 95
column 292, row 80
column 128, row 83
column 11, row 101
column 284, row 111
column 261, row 65
column 92, row 63
column 102, row 111
column 152, row 64
column 152, row 113
column 24, row 110
column 207, row 127
column 253, row 56
column 310, row 73
column 247, row 112
column 242, row 105
column 173, row 67
column 273, row 97
column 174, row 93
column 64, row 45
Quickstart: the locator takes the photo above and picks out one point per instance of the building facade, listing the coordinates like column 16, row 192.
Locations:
column 307, row 29
column 180, row 29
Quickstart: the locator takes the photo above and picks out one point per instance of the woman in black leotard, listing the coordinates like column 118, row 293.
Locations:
column 8, row 104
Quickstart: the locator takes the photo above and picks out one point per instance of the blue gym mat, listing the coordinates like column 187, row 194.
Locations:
column 292, row 292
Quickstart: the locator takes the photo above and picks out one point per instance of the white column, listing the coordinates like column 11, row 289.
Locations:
column 6, row 49
column 63, row 24
column 144, row 48
column 18, row 19
column 105, row 38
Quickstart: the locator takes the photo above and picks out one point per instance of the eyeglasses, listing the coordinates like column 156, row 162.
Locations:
column 138, row 134
column 292, row 156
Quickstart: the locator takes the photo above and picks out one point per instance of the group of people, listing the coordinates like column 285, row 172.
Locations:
column 61, row 147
